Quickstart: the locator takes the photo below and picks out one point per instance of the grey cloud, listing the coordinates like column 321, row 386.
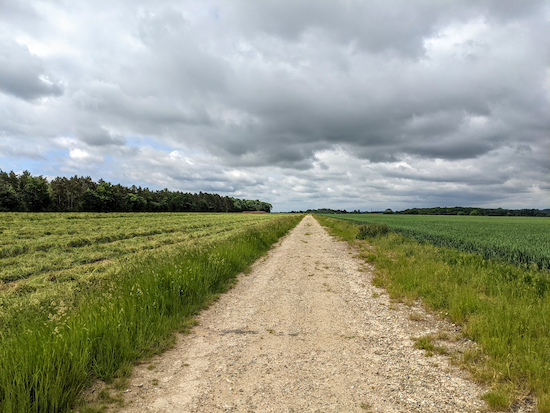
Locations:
column 97, row 136
column 175, row 62
column 20, row 14
column 473, row 178
column 392, row 26
column 23, row 75
column 177, row 171
column 158, row 27
column 328, row 97
column 506, row 9
column 398, row 25
column 9, row 148
column 451, row 149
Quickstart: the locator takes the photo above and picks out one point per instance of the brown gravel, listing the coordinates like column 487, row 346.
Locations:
column 305, row 331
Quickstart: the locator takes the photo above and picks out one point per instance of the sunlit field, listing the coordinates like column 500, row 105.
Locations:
column 45, row 247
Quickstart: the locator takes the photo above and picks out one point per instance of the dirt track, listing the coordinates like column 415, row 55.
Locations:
column 305, row 332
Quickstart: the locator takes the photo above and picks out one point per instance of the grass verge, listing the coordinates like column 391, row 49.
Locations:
column 46, row 362
column 504, row 308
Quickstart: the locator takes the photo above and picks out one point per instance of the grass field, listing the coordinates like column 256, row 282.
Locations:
column 55, row 246
column 47, row 257
column 504, row 307
column 518, row 240
column 63, row 332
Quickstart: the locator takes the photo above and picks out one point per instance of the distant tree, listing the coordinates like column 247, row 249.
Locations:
column 474, row 212
column 59, row 189
column 9, row 201
column 68, row 194
column 35, row 195
column 13, row 180
column 228, row 205
column 388, row 211
column 9, row 197
column 105, row 198
column 135, row 203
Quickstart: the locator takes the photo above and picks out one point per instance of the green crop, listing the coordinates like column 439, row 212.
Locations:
column 50, row 244
column 518, row 240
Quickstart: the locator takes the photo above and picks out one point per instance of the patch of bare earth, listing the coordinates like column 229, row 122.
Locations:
column 305, row 331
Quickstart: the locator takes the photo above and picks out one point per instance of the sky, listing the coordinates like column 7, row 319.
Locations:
column 349, row 104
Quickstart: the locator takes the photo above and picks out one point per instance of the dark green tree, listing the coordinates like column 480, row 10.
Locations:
column 35, row 194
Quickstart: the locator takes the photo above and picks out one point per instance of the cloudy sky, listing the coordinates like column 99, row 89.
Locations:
column 354, row 104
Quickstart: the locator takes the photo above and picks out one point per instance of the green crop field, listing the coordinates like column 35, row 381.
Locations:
column 52, row 257
column 518, row 240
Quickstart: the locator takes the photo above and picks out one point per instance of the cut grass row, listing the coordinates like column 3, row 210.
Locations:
column 46, row 360
column 499, row 305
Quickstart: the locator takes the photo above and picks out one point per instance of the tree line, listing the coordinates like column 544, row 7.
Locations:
column 496, row 212
column 443, row 211
column 28, row 193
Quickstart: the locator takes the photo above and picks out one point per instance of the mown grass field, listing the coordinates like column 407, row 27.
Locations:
column 47, row 257
column 518, row 240
column 100, row 291
column 55, row 246
column 502, row 306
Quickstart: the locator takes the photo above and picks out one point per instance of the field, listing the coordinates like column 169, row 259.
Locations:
column 518, row 240
column 50, row 256
column 63, row 246
column 504, row 307
column 86, row 295
column 83, row 296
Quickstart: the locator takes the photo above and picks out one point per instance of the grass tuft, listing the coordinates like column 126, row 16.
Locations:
column 543, row 404
column 497, row 400
column 371, row 230
column 426, row 343
column 365, row 406
column 416, row 317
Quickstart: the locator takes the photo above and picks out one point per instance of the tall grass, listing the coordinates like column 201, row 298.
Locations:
column 46, row 362
column 504, row 308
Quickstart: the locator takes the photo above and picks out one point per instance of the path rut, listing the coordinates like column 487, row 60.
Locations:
column 305, row 331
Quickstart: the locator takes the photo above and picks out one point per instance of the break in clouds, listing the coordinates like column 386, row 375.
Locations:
column 304, row 104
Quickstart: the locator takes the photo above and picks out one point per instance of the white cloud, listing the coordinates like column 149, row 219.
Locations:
column 80, row 155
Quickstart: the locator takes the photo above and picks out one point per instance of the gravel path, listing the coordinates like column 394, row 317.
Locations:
column 305, row 331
